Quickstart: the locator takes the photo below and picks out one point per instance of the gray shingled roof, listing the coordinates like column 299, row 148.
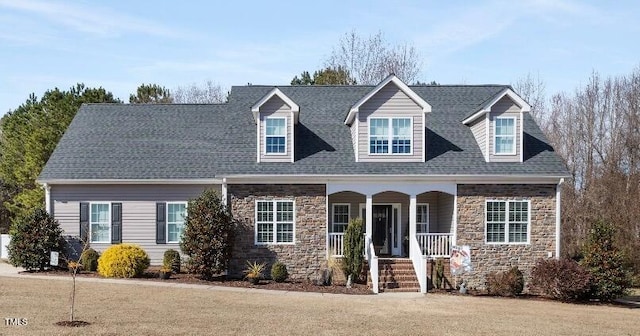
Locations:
column 120, row 141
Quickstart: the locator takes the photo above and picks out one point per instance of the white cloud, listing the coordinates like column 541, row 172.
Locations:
column 94, row 20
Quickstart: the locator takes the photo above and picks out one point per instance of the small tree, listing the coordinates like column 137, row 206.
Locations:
column 33, row 237
column 208, row 235
column 353, row 250
column 610, row 271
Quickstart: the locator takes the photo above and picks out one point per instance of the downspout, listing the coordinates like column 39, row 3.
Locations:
column 558, row 214
column 47, row 197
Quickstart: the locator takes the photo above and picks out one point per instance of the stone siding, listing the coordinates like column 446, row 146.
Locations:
column 305, row 257
column 487, row 258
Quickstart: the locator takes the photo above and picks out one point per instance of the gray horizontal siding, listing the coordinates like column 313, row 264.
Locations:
column 505, row 107
column 138, row 210
column 478, row 128
column 275, row 107
column 390, row 101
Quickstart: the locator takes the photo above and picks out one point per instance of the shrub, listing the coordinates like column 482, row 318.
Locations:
column 353, row 259
column 123, row 261
column 208, row 235
column 562, row 279
column 33, row 237
column 506, row 283
column 610, row 271
column 279, row 272
column 89, row 260
column 171, row 259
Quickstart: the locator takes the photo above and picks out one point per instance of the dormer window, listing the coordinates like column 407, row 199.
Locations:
column 275, row 136
column 505, row 136
column 398, row 135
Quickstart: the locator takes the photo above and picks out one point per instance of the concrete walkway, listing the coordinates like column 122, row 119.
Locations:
column 7, row 270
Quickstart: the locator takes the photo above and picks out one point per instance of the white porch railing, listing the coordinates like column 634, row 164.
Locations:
column 419, row 263
column 435, row 244
column 336, row 244
column 372, row 259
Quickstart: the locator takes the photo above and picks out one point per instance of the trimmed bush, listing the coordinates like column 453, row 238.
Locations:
column 279, row 272
column 353, row 259
column 33, row 237
column 171, row 259
column 562, row 279
column 89, row 260
column 610, row 270
column 123, row 261
column 506, row 283
column 208, row 235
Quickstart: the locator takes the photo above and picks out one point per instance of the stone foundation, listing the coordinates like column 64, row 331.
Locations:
column 486, row 258
column 305, row 257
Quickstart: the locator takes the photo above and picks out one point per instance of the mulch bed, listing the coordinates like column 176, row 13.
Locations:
column 72, row 323
column 152, row 274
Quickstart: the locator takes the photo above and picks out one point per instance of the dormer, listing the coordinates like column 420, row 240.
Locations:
column 498, row 127
column 388, row 124
column 275, row 115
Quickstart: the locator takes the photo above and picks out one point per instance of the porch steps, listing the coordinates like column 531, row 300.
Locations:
column 397, row 275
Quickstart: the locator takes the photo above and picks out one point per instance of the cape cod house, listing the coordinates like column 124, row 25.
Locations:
column 426, row 167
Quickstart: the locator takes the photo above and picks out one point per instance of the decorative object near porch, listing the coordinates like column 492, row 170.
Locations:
column 254, row 272
column 460, row 261
column 439, row 273
column 353, row 260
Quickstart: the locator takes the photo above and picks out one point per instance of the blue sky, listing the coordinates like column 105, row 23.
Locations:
column 121, row 44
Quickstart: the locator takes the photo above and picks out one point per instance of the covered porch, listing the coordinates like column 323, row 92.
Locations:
column 415, row 221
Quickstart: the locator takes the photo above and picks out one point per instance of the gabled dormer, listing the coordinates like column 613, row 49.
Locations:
column 275, row 115
column 388, row 124
column 498, row 127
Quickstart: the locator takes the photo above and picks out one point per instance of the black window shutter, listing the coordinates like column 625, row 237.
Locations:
column 161, row 223
column 116, row 223
column 84, row 222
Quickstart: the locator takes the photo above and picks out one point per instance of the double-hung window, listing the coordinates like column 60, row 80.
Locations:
column 176, row 213
column 100, row 223
column 508, row 221
column 505, row 136
column 274, row 222
column 275, row 135
column 390, row 136
column 340, row 217
column 422, row 218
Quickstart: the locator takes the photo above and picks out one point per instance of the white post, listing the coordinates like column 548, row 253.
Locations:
column 47, row 197
column 369, row 215
column 558, row 215
column 413, row 210
column 225, row 201
column 327, row 212
column 454, row 221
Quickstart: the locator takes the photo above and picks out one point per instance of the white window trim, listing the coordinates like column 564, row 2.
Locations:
column 428, row 222
column 515, row 135
column 167, row 217
column 286, row 130
column 333, row 212
column 274, row 222
column 390, row 136
column 91, row 222
column 506, row 222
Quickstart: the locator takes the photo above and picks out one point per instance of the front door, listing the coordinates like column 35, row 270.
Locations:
column 382, row 220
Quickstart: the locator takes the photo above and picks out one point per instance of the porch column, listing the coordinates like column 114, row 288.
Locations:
column 413, row 210
column 369, row 215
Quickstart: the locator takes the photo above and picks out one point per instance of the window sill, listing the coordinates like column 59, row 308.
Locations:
column 270, row 244
column 523, row 243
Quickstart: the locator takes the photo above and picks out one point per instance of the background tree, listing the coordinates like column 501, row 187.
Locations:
column 29, row 134
column 151, row 94
column 208, row 235
column 326, row 76
column 370, row 59
column 209, row 93
column 532, row 89
column 33, row 237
